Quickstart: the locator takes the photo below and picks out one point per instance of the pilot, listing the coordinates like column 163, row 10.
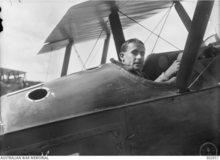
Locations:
column 132, row 58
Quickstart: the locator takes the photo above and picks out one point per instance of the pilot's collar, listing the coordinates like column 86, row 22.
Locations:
column 129, row 68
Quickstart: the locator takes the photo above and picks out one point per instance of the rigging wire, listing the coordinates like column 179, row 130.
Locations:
column 95, row 44
column 80, row 59
column 148, row 29
column 157, row 25
column 203, row 71
column 48, row 67
column 10, row 2
column 123, row 4
column 95, row 54
column 162, row 28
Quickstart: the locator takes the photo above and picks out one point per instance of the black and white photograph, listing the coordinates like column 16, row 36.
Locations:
column 110, row 78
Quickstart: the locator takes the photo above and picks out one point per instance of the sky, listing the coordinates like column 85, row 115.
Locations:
column 28, row 23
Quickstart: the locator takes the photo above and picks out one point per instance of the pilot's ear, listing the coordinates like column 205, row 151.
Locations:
column 121, row 56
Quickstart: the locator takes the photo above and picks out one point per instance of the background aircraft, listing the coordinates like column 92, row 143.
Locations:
column 107, row 110
column 12, row 80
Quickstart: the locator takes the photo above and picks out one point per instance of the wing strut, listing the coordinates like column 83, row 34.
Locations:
column 194, row 41
column 105, row 49
column 183, row 15
column 66, row 58
column 116, row 27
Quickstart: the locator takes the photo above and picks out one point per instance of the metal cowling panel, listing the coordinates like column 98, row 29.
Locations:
column 76, row 95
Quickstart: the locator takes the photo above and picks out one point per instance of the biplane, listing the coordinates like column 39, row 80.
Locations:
column 107, row 110
column 11, row 80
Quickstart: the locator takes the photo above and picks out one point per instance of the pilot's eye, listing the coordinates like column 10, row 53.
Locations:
column 135, row 52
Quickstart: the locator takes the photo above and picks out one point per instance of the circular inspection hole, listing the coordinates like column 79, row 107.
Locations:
column 38, row 94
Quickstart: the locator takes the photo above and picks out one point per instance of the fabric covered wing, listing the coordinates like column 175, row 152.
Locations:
column 86, row 21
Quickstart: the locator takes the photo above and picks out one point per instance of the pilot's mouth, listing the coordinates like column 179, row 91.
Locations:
column 138, row 63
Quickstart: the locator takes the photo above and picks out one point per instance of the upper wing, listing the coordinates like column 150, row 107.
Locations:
column 85, row 21
column 7, row 71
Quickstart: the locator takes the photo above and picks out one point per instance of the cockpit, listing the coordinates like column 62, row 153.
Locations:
column 206, row 71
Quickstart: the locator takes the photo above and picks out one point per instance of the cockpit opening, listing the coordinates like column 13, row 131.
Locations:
column 38, row 94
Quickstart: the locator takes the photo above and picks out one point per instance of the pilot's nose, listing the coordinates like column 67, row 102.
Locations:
column 138, row 56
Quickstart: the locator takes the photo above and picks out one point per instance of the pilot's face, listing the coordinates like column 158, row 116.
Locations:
column 134, row 56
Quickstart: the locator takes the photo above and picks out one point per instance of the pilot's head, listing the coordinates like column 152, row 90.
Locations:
column 132, row 54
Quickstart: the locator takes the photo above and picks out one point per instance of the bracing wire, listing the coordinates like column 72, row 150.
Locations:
column 161, row 29
column 95, row 54
column 148, row 29
column 80, row 59
column 157, row 25
column 10, row 2
column 123, row 4
column 48, row 67
column 94, row 45
column 203, row 71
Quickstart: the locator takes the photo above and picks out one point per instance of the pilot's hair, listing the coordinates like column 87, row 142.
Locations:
column 124, row 46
